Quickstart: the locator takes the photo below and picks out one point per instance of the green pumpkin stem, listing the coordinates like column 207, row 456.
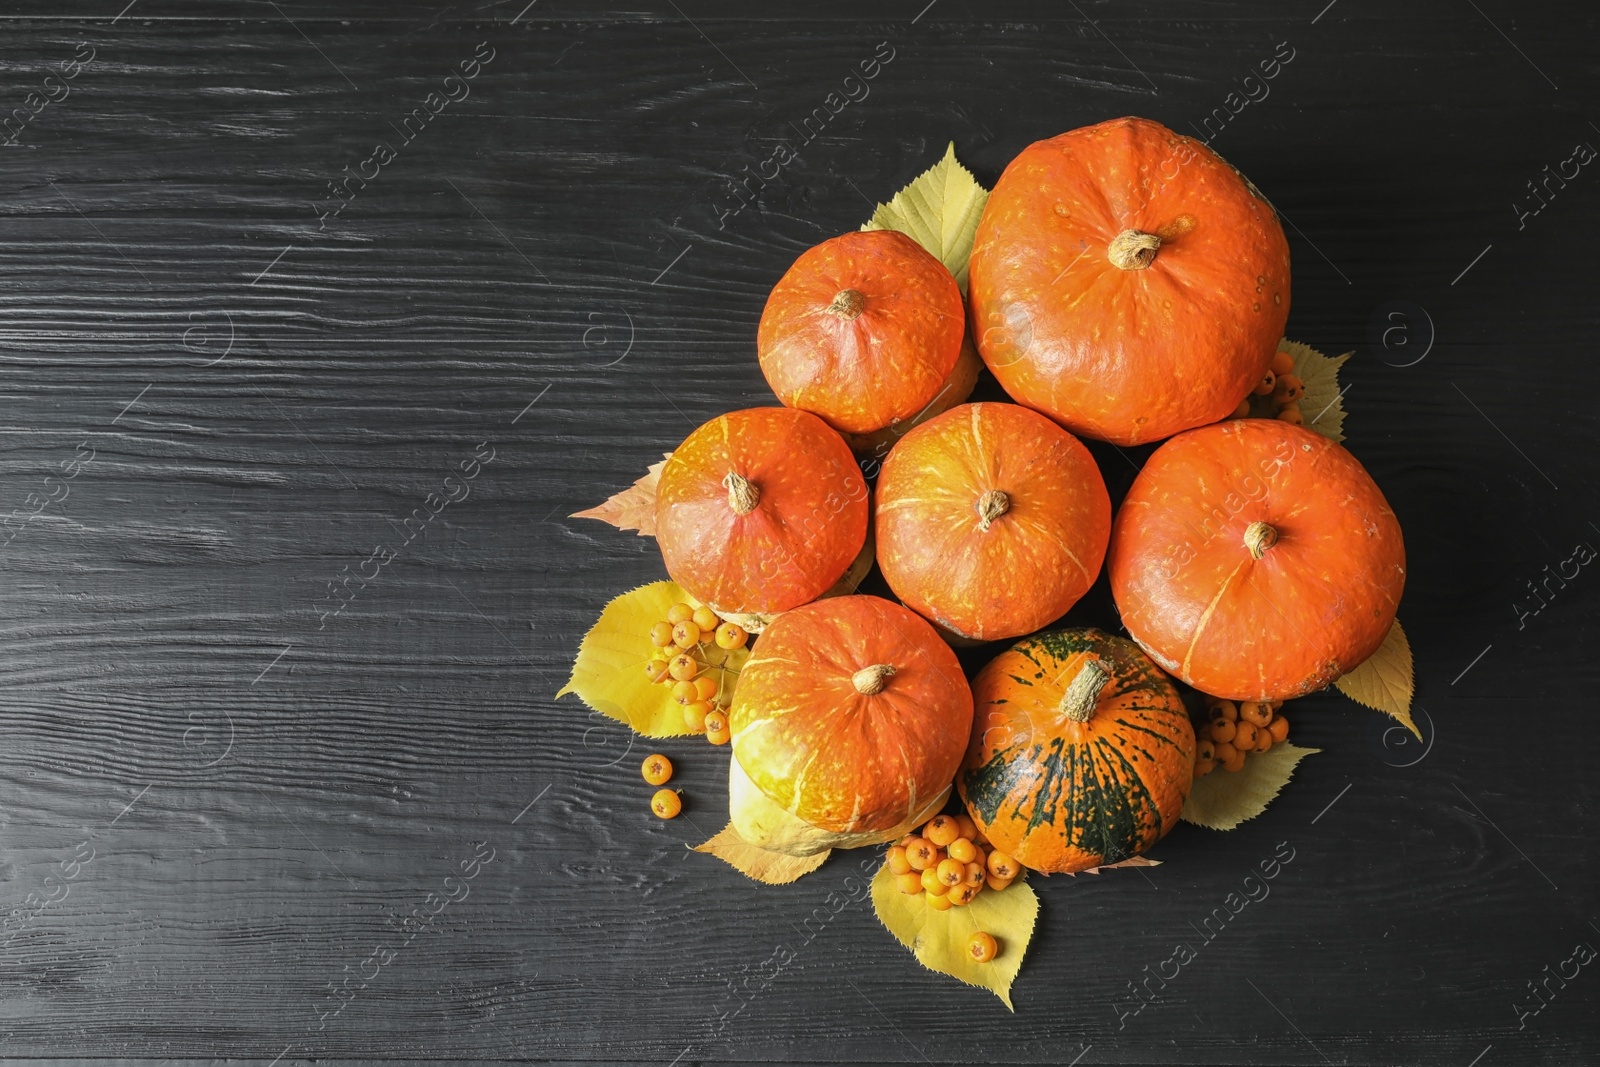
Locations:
column 742, row 493
column 1083, row 695
column 869, row 681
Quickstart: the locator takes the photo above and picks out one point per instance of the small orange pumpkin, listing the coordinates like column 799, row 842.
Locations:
column 991, row 520
column 1256, row 560
column 1128, row 282
column 1082, row 753
column 849, row 721
column 864, row 330
column 760, row 510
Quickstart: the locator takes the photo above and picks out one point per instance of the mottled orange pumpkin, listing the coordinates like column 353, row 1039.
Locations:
column 1128, row 282
column 760, row 510
column 1081, row 754
column 991, row 520
column 1256, row 560
column 849, row 721
column 864, row 330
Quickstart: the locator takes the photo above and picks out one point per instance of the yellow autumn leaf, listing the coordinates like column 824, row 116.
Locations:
column 1224, row 799
column 772, row 868
column 939, row 938
column 1384, row 681
column 608, row 674
column 940, row 211
column 1322, row 405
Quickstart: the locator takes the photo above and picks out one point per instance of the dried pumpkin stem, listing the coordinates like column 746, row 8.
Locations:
column 991, row 506
column 1258, row 537
column 1084, row 693
column 848, row 304
column 1133, row 249
column 869, row 681
column 742, row 493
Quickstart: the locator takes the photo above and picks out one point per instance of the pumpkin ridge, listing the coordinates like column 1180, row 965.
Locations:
column 1146, row 730
column 1139, row 801
column 1211, row 608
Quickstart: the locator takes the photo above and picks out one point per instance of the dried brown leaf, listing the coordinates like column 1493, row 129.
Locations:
column 635, row 507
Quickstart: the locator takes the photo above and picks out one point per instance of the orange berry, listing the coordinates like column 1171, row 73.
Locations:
column 1243, row 410
column 1203, row 767
column 694, row 715
column 719, row 737
column 975, row 872
column 731, row 636
column 997, row 883
column 656, row 670
column 1255, row 712
column 683, row 667
column 716, row 720
column 1225, row 751
column 1244, row 738
column 963, row 894
column 969, row 829
column 679, row 613
column 906, row 840
column 920, row 854
column 952, row 872
column 1222, row 729
column 706, row 619
column 910, row 883
column 1003, row 866
column 1204, row 750
column 1263, row 739
column 1225, row 709
column 657, row 769
column 686, row 634
column 1292, row 416
column 685, row 692
column 982, row 947
column 705, row 687
column 1266, row 384
column 661, row 634
column 1282, row 363
column 933, row 884
column 666, row 803
column 897, row 860
column 942, row 830
column 940, row 902
column 1279, row 729
column 1289, row 389
column 963, row 849
column 1234, row 764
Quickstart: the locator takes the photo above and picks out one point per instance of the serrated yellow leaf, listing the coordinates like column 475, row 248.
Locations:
column 1384, row 681
column 608, row 674
column 939, row 938
column 1322, row 405
column 772, row 868
column 1224, row 799
column 940, row 211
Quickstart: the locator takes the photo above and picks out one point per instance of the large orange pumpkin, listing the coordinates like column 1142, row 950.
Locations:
column 991, row 520
column 1127, row 282
column 1256, row 560
column 864, row 330
column 849, row 721
column 760, row 510
column 1081, row 754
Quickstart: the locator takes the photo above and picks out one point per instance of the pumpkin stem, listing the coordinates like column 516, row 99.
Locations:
column 1133, row 249
column 1258, row 537
column 848, row 304
column 1084, row 692
column 991, row 506
column 742, row 493
column 869, row 681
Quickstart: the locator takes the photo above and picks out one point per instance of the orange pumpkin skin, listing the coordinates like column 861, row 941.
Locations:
column 1318, row 600
column 863, row 361
column 836, row 757
column 1029, row 563
column 1127, row 354
column 1062, row 795
column 807, row 524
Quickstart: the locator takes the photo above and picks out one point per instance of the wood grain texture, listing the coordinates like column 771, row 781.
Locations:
column 268, row 402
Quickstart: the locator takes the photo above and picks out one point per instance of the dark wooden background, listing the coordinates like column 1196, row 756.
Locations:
column 251, row 405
